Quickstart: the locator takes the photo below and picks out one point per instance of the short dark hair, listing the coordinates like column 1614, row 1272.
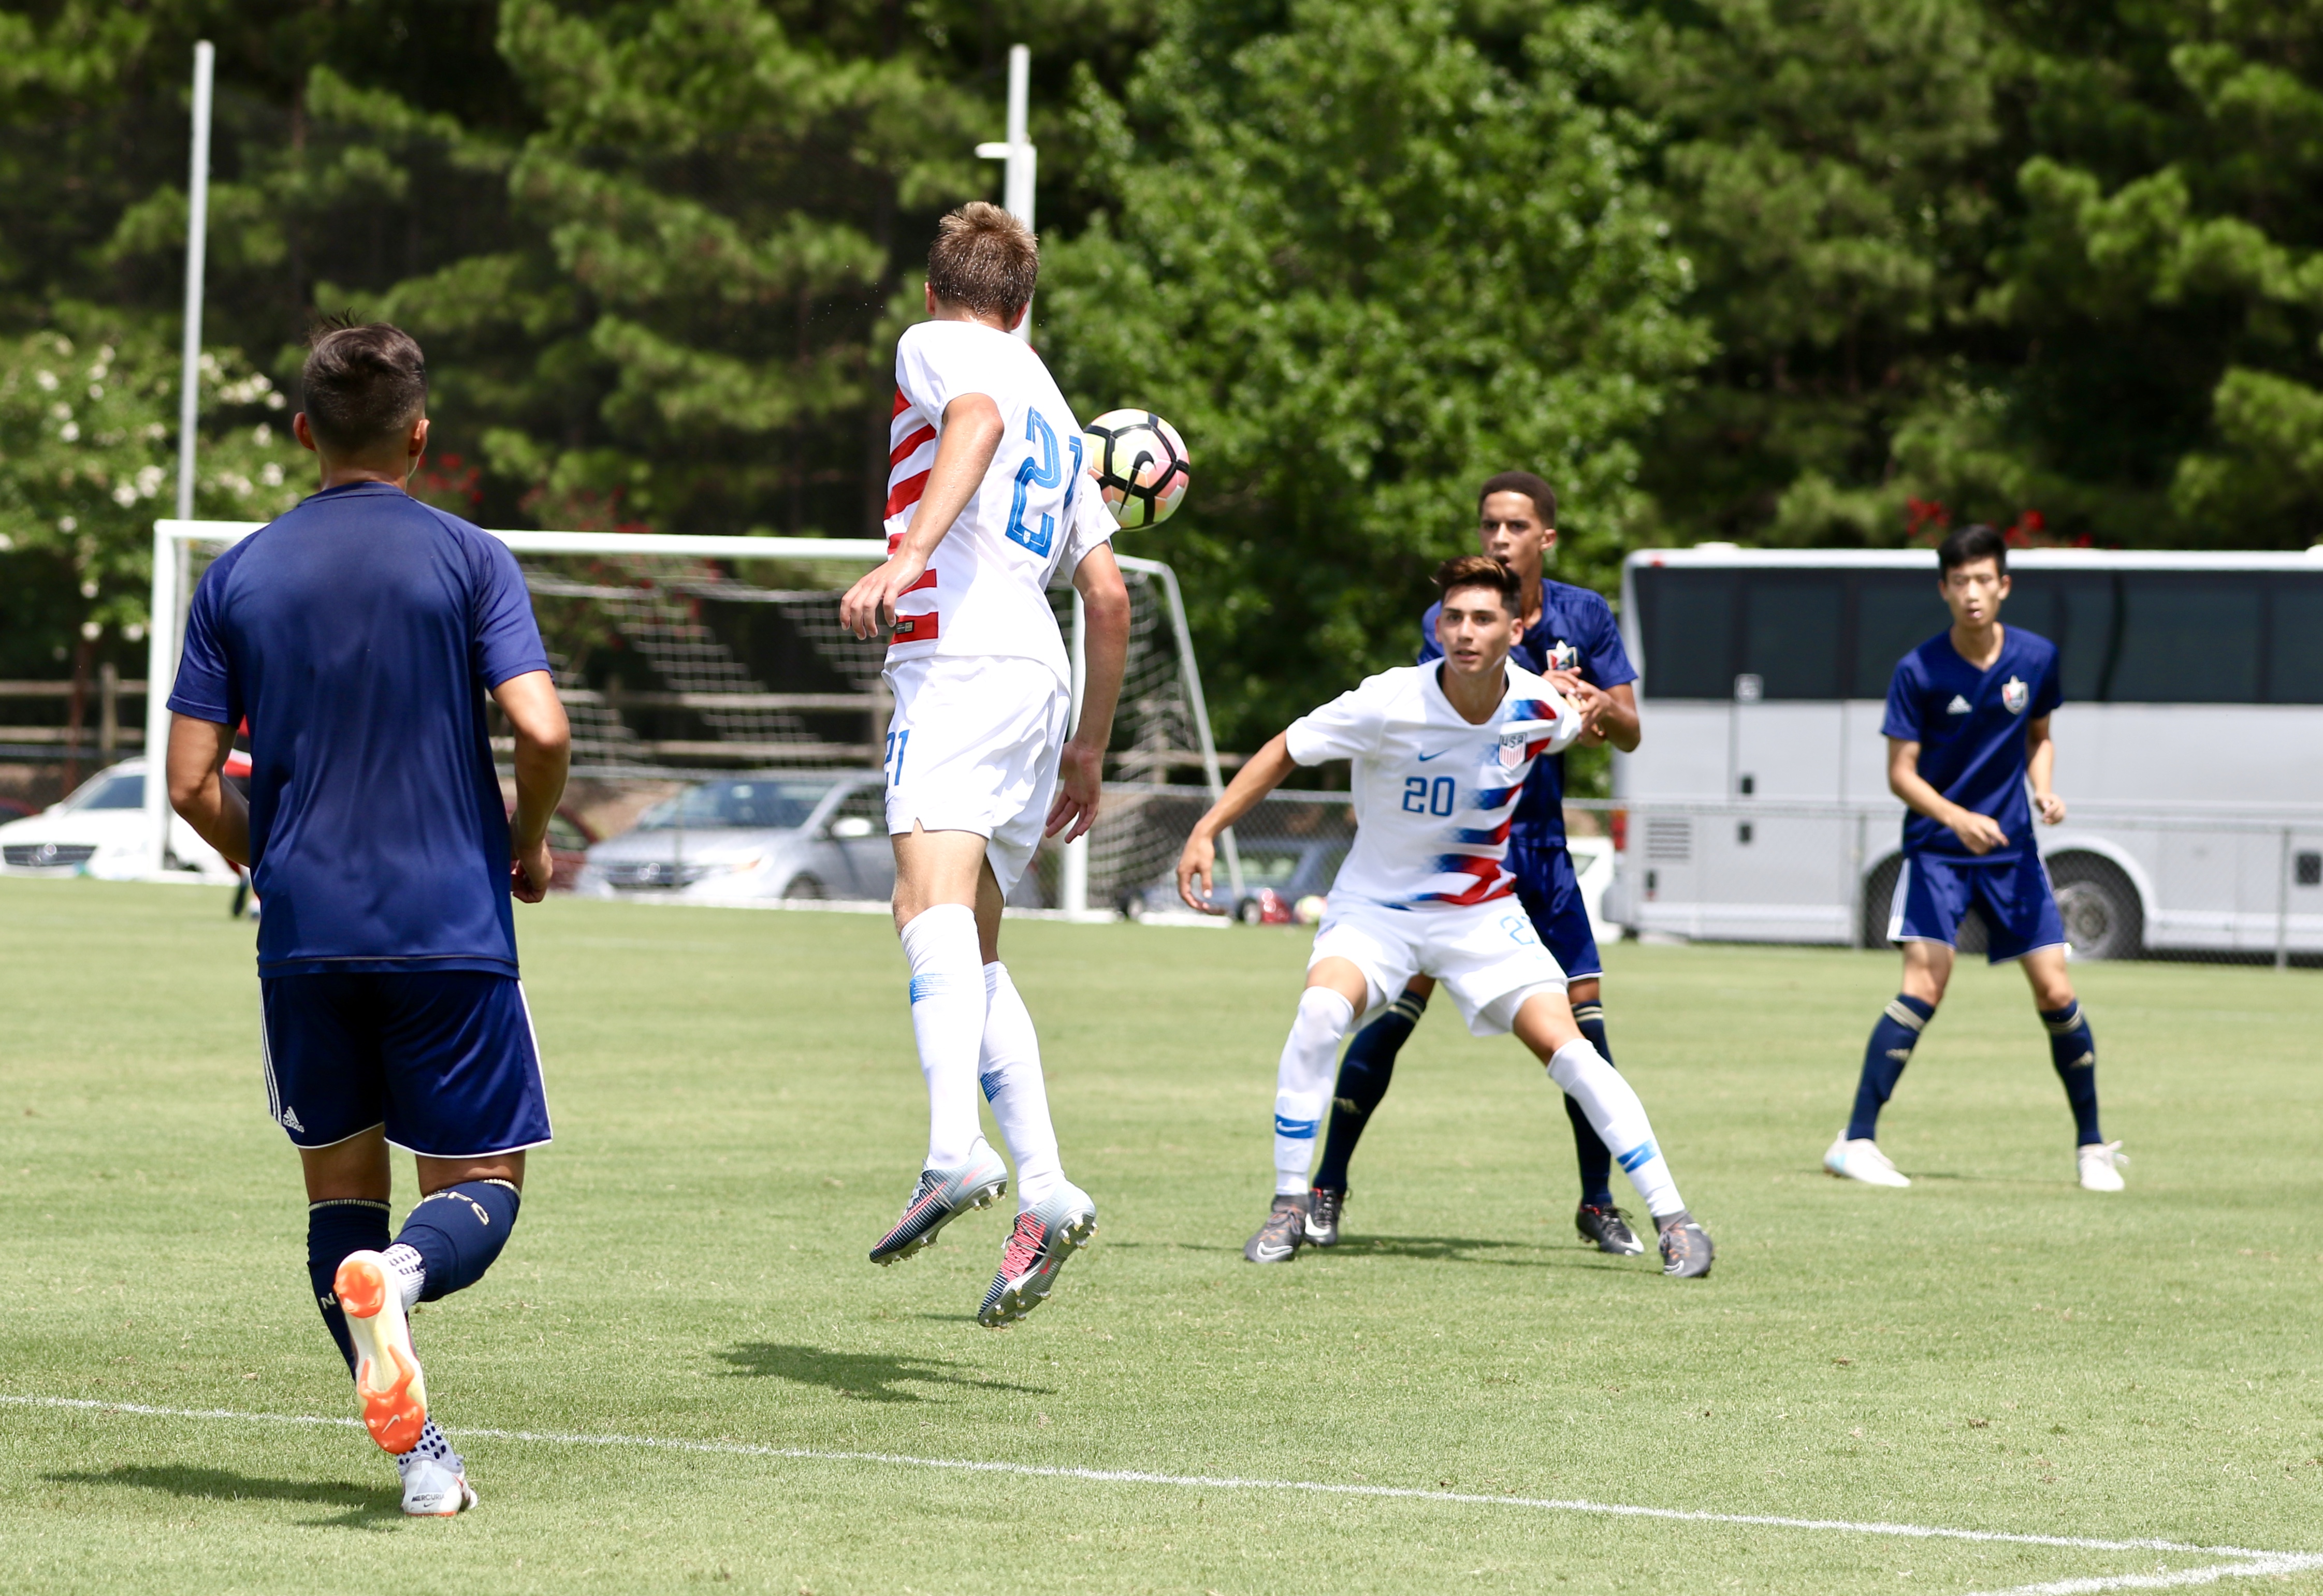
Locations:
column 1481, row 571
column 1970, row 543
column 1543, row 496
column 363, row 384
column 985, row 259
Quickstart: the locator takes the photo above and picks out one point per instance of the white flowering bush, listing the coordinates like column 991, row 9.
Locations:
column 88, row 460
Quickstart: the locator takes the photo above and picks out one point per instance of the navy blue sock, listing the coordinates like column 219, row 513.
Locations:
column 457, row 1232
column 334, row 1228
column 2074, row 1051
column 1364, row 1076
column 1595, row 1158
column 1892, row 1042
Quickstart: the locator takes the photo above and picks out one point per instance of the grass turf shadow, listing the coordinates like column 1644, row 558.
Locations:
column 871, row 1377
column 363, row 1506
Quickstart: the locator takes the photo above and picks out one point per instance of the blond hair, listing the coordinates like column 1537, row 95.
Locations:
column 984, row 259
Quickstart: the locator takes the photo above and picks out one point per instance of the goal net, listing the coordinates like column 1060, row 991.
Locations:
column 685, row 660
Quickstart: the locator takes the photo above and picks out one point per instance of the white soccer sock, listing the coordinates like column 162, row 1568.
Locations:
column 948, row 1022
column 1302, row 1082
column 410, row 1271
column 1620, row 1121
column 1013, row 1084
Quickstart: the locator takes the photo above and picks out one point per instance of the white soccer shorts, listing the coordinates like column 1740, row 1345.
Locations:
column 973, row 747
column 1488, row 957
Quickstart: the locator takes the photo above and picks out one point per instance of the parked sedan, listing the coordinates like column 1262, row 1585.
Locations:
column 1276, row 875
column 99, row 830
column 784, row 835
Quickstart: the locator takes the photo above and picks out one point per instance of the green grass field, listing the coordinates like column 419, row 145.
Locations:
column 738, row 1115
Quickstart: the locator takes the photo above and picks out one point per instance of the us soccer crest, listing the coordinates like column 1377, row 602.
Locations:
column 1512, row 751
column 2015, row 695
column 1560, row 656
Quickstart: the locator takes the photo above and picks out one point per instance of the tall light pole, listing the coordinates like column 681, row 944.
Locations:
column 1022, row 159
column 170, row 584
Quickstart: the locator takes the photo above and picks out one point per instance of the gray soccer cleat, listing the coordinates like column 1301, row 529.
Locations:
column 1607, row 1230
column 1323, row 1207
column 1045, row 1237
column 941, row 1197
column 1686, row 1250
column 435, row 1486
column 1278, row 1241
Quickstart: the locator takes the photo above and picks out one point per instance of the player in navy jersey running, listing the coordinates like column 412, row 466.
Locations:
column 360, row 634
column 1569, row 636
column 1968, row 736
column 1441, row 752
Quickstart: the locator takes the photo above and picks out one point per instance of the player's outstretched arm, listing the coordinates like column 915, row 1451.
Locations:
column 1980, row 832
column 544, row 748
column 198, row 789
column 2041, row 770
column 971, row 437
column 1104, row 645
column 1253, row 781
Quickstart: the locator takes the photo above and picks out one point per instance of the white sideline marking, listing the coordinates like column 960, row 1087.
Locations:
column 2252, row 1562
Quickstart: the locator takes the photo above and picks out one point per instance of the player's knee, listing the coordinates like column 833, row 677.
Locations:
column 1324, row 1017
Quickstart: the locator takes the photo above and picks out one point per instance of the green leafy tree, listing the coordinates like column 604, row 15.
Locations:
column 1365, row 254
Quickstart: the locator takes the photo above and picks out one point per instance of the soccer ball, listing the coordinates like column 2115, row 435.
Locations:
column 1141, row 465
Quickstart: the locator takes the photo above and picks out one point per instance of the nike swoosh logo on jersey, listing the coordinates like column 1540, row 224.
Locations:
column 1958, row 706
column 1438, row 754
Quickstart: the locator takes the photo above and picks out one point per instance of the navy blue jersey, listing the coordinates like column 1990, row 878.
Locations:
column 359, row 634
column 1970, row 725
column 1575, row 632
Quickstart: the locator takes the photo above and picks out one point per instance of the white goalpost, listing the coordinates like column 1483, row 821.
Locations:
column 764, row 670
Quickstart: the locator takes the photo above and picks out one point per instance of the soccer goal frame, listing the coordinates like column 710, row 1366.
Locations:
column 175, row 541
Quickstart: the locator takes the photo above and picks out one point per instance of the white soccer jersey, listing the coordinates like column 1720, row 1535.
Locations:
column 1034, row 516
column 1434, row 794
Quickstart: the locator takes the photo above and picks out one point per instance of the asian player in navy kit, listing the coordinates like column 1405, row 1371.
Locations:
column 1968, row 740
column 1569, row 636
column 360, row 634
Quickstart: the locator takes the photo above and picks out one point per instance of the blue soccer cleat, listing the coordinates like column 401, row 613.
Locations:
column 941, row 1197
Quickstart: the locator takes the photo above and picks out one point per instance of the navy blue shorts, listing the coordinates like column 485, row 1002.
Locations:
column 444, row 1060
column 1550, row 891
column 2011, row 893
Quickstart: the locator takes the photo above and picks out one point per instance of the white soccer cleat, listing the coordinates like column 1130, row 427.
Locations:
column 435, row 1487
column 2101, row 1164
column 1862, row 1160
column 388, row 1382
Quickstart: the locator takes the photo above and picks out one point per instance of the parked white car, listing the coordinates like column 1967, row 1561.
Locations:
column 100, row 830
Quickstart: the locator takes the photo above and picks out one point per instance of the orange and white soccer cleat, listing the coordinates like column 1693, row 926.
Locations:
column 388, row 1382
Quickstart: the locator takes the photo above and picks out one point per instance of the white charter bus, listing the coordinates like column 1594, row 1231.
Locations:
column 2190, row 747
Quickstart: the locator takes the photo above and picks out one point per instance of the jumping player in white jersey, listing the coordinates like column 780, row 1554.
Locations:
column 1441, row 753
column 986, row 503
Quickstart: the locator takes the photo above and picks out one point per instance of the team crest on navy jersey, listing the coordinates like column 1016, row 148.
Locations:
column 2015, row 695
column 1560, row 656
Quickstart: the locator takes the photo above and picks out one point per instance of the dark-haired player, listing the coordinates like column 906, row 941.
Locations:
column 1968, row 737
column 1569, row 636
column 986, row 503
column 1441, row 755
column 359, row 633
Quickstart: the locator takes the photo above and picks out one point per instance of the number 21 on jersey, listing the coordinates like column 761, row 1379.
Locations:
column 1041, row 468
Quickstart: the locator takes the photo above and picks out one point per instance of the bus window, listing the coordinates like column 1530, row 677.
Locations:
column 1689, row 632
column 2076, row 612
column 2294, row 665
column 1790, row 633
column 1894, row 614
column 2191, row 638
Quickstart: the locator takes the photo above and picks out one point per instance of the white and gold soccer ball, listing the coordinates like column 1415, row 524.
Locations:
column 1141, row 465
